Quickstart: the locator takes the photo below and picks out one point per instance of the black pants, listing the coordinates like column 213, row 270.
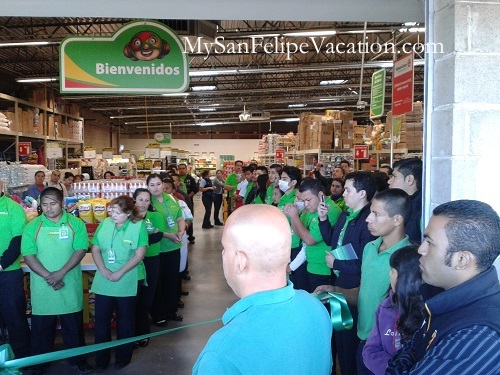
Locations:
column 146, row 295
column 315, row 280
column 43, row 333
column 217, row 206
column 207, row 200
column 362, row 369
column 165, row 302
column 189, row 231
column 346, row 345
column 125, row 316
column 13, row 311
column 299, row 277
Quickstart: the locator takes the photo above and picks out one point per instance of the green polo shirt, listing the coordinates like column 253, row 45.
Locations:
column 341, row 203
column 315, row 254
column 54, row 244
column 247, row 191
column 12, row 223
column 152, row 221
column 375, row 281
column 232, row 180
column 170, row 210
column 334, row 211
column 269, row 194
column 119, row 241
column 290, row 199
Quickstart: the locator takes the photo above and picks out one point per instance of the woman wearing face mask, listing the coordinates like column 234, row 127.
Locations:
column 119, row 245
column 336, row 190
column 155, row 226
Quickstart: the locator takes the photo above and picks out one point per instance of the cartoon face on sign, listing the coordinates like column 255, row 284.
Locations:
column 146, row 46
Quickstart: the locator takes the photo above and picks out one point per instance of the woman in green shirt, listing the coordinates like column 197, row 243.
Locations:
column 155, row 226
column 119, row 245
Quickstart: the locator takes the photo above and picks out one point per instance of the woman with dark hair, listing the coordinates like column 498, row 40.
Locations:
column 155, row 226
column 207, row 197
column 165, row 303
column 400, row 315
column 119, row 245
column 108, row 175
column 68, row 180
column 262, row 181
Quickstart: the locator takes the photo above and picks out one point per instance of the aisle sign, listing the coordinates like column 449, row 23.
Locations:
column 165, row 151
column 152, row 151
column 89, row 153
column 141, row 57
column 280, row 154
column 24, row 148
column 54, row 151
column 107, row 152
column 360, row 152
column 163, row 137
column 402, row 85
column 126, row 154
column 377, row 97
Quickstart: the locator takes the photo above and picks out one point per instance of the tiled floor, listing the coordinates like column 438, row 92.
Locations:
column 209, row 296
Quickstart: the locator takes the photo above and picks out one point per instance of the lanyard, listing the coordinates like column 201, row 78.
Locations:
column 115, row 233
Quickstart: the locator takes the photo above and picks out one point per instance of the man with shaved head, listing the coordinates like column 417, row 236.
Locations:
column 273, row 328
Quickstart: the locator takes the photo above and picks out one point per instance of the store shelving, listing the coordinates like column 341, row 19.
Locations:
column 305, row 160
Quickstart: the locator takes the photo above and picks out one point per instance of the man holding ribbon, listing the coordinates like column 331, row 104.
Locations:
column 259, row 328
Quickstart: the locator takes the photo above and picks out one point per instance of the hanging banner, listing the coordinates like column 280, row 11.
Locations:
column 402, row 85
column 107, row 152
column 378, row 94
column 152, row 151
column 89, row 153
column 163, row 137
column 165, row 152
column 142, row 57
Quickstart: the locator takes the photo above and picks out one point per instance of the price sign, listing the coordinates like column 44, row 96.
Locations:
column 89, row 153
column 24, row 148
column 152, row 151
column 54, row 151
column 280, row 154
column 107, row 153
column 165, row 152
column 126, row 154
column 360, row 152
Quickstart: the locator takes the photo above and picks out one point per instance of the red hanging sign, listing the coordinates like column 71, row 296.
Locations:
column 360, row 152
column 402, row 85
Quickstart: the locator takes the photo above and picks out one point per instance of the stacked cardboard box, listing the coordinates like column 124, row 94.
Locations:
column 411, row 136
column 347, row 132
column 317, row 131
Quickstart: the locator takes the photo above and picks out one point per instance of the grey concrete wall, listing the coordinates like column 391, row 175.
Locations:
column 463, row 128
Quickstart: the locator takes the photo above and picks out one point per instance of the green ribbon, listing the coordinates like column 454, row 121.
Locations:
column 8, row 363
column 339, row 311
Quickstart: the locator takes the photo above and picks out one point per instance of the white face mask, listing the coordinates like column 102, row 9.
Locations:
column 283, row 185
column 300, row 205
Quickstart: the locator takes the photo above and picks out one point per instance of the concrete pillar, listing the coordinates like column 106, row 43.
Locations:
column 463, row 110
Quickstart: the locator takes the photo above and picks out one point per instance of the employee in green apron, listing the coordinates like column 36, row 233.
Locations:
column 119, row 245
column 53, row 246
column 12, row 298
column 155, row 225
column 165, row 305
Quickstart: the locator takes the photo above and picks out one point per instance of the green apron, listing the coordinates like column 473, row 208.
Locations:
column 123, row 244
column 55, row 248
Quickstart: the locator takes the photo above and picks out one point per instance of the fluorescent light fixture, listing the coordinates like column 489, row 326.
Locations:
column 311, row 33
column 333, row 82
column 26, row 43
column 204, row 88
column 329, row 99
column 301, row 105
column 180, row 94
column 263, row 35
column 36, row 79
column 209, row 109
column 413, row 30
column 410, row 24
column 290, row 119
column 211, row 72
column 210, row 123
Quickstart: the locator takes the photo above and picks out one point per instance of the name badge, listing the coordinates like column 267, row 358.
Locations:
column 170, row 222
column 111, row 256
column 63, row 232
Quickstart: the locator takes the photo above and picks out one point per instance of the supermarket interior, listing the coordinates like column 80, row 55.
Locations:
column 265, row 84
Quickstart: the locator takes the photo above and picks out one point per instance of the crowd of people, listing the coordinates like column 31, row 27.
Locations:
column 418, row 307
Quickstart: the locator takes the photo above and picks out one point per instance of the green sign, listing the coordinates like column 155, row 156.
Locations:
column 378, row 94
column 142, row 57
column 163, row 137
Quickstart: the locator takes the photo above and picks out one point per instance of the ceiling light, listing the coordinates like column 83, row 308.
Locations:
column 333, row 82
column 204, row 88
column 412, row 30
column 329, row 99
column 36, row 79
column 312, row 33
column 211, row 72
column 27, row 43
column 290, row 119
column 263, row 36
column 410, row 24
column 206, row 109
column 301, row 105
column 180, row 94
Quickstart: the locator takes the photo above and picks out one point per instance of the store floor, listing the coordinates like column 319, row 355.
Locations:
column 209, row 297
